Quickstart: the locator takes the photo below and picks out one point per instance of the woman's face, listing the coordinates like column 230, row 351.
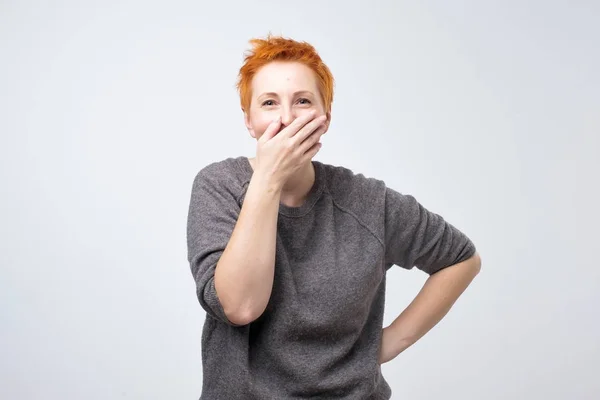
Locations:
column 286, row 89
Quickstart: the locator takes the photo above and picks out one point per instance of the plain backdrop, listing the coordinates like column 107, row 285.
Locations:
column 487, row 112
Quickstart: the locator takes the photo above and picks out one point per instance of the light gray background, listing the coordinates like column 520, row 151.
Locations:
column 488, row 112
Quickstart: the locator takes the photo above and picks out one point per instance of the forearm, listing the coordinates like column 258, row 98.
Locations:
column 440, row 292
column 245, row 271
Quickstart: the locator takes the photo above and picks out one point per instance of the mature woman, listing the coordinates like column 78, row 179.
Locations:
column 290, row 255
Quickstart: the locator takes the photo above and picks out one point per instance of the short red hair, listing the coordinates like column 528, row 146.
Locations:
column 277, row 48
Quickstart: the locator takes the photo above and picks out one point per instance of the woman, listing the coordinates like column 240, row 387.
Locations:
column 289, row 254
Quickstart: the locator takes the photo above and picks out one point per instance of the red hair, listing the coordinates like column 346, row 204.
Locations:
column 278, row 48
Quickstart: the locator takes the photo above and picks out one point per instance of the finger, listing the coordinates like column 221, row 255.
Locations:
column 310, row 153
column 272, row 129
column 297, row 124
column 312, row 139
column 310, row 128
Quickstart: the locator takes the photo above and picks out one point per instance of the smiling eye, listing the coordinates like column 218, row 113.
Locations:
column 267, row 103
column 306, row 101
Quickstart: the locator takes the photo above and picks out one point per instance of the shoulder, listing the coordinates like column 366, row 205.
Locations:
column 350, row 187
column 223, row 175
column 230, row 170
column 357, row 194
column 225, row 168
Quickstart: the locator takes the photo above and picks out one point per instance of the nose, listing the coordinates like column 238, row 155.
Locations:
column 287, row 116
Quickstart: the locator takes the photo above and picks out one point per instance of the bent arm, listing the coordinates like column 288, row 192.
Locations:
column 245, row 271
column 436, row 298
column 231, row 245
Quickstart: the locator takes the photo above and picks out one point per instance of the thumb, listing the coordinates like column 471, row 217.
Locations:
column 272, row 129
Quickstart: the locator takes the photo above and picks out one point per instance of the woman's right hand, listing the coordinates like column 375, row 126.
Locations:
column 280, row 155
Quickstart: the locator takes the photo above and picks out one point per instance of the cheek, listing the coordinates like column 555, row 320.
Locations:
column 307, row 110
column 260, row 123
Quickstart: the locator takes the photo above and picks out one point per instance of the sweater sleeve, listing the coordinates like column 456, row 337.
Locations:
column 415, row 236
column 212, row 215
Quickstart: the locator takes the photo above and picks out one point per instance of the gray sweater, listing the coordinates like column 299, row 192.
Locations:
column 320, row 333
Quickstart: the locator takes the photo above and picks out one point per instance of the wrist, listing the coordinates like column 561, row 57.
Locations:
column 266, row 183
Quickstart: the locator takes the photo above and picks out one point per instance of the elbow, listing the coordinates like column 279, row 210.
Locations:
column 238, row 319
column 241, row 316
column 475, row 263
column 238, row 310
column 240, row 305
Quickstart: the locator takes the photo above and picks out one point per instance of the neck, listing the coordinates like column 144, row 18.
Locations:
column 299, row 184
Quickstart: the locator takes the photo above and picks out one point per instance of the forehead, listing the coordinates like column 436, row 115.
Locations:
column 283, row 76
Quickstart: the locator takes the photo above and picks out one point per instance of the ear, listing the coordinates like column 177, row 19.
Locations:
column 249, row 124
column 328, row 120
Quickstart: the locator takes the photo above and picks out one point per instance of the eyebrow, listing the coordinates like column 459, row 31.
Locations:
column 273, row 94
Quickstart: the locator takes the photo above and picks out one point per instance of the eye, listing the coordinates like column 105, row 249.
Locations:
column 267, row 103
column 304, row 101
